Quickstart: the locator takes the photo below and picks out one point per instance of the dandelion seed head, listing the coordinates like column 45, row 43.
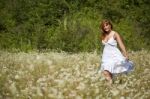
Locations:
column 17, row 77
column 13, row 88
column 115, row 92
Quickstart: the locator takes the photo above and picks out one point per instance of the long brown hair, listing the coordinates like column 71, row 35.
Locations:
column 102, row 27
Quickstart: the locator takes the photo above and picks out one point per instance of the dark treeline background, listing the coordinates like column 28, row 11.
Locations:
column 71, row 25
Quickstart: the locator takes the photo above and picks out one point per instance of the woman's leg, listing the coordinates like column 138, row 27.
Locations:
column 108, row 76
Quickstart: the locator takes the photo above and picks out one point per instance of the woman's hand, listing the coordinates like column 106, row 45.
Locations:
column 125, row 55
column 127, row 58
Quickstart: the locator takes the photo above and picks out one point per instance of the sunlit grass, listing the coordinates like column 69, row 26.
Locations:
column 53, row 75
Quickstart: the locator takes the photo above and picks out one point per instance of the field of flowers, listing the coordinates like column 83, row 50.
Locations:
column 53, row 75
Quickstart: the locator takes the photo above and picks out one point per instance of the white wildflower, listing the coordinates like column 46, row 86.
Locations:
column 43, row 79
column 49, row 62
column 72, row 93
column 39, row 91
column 78, row 97
column 122, row 97
column 81, row 86
column 13, row 88
column 50, row 95
column 115, row 92
column 17, row 77
column 53, row 90
column 31, row 67
column 122, row 86
column 97, row 91
column 37, row 57
column 146, row 71
column 60, row 95
column 25, row 91
column 61, row 83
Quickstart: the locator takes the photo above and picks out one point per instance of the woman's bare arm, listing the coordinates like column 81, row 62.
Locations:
column 121, row 44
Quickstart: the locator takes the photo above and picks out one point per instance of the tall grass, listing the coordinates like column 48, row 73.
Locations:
column 53, row 75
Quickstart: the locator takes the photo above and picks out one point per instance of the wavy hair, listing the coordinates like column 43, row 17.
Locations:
column 107, row 22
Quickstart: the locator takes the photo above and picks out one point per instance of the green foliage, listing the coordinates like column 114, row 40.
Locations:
column 75, row 33
column 71, row 25
column 130, row 37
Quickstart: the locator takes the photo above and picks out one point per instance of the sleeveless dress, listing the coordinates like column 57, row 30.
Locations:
column 113, row 60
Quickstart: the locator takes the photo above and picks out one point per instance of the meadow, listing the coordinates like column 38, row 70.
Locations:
column 53, row 75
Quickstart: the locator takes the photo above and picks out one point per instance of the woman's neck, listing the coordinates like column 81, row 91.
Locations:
column 107, row 33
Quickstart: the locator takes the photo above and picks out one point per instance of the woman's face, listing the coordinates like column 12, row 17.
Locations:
column 107, row 27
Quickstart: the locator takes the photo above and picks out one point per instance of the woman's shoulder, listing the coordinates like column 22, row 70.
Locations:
column 115, row 34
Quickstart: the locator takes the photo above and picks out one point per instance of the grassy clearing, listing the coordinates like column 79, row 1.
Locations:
column 54, row 75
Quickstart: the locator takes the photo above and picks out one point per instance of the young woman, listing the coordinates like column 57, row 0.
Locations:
column 113, row 60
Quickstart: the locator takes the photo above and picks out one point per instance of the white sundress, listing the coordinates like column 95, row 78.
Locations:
column 113, row 60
